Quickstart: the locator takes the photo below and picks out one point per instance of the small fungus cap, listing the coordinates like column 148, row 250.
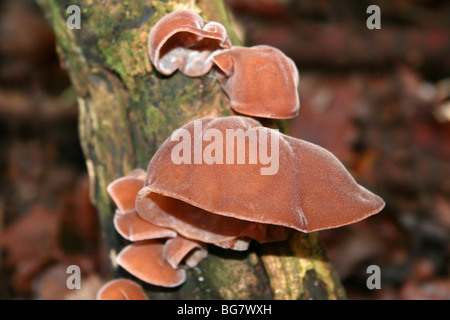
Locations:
column 127, row 222
column 180, row 250
column 261, row 81
column 132, row 227
column 145, row 260
column 121, row 289
column 123, row 192
column 183, row 40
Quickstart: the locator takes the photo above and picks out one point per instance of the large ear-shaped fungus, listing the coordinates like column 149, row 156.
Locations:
column 183, row 40
column 145, row 260
column 121, row 289
column 310, row 189
column 260, row 81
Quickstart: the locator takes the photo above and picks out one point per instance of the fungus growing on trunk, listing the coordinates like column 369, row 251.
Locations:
column 183, row 40
column 227, row 181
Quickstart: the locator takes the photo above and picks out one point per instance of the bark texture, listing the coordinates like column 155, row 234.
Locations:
column 127, row 110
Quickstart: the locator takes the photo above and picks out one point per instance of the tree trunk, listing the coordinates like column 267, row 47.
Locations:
column 127, row 110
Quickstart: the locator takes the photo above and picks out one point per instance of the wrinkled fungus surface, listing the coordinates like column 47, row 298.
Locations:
column 183, row 40
column 311, row 191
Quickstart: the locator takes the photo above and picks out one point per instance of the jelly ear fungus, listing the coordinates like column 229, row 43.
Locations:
column 183, row 40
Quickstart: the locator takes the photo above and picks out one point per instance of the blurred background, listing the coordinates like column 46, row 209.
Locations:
column 378, row 99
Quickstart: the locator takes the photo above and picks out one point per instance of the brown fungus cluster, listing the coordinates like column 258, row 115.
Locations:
column 258, row 184
column 260, row 81
column 157, row 254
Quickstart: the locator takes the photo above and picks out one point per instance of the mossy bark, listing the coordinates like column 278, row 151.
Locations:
column 127, row 110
